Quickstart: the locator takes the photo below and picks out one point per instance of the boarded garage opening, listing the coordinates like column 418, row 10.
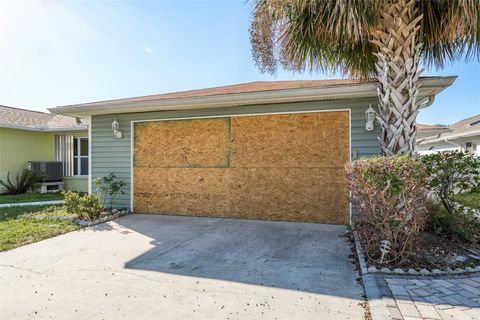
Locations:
column 274, row 167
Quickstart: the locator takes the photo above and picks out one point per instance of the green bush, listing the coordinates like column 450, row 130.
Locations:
column 23, row 181
column 391, row 192
column 86, row 207
column 463, row 227
column 71, row 202
column 90, row 207
column 109, row 186
column 451, row 173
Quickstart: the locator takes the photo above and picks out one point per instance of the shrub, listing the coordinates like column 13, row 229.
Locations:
column 109, row 186
column 89, row 207
column 391, row 193
column 23, row 181
column 450, row 173
column 86, row 207
column 464, row 227
column 71, row 202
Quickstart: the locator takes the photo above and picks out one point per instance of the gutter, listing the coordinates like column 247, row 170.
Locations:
column 43, row 129
column 453, row 143
column 431, row 100
column 428, row 87
column 452, row 136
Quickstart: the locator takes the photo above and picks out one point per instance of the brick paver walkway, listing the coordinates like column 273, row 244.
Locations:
column 433, row 298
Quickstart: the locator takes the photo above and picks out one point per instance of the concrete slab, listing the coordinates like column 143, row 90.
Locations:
column 164, row 267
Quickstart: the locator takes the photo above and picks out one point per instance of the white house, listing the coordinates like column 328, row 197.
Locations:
column 463, row 135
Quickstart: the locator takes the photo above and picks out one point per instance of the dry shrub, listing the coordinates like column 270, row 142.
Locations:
column 391, row 193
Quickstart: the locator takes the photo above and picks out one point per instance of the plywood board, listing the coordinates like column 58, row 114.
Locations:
column 182, row 191
column 182, row 143
column 290, row 140
column 289, row 194
column 275, row 167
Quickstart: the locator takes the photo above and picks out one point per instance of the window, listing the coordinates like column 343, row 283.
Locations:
column 80, row 156
column 471, row 147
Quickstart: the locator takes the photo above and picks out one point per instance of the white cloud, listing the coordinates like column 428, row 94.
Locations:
column 148, row 50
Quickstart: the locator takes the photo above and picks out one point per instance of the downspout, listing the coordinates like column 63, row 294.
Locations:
column 431, row 100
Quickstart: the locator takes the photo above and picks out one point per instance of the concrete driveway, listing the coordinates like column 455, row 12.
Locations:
column 164, row 267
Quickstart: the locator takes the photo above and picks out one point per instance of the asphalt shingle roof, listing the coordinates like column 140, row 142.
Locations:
column 36, row 119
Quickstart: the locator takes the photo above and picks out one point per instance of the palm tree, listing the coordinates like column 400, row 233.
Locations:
column 386, row 39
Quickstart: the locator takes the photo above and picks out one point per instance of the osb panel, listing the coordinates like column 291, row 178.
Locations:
column 182, row 143
column 282, row 167
column 291, row 194
column 182, row 191
column 290, row 140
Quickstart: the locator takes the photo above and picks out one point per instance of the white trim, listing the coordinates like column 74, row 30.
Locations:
column 80, row 157
column 428, row 87
column 449, row 136
column 132, row 149
column 132, row 136
column 43, row 129
column 90, row 154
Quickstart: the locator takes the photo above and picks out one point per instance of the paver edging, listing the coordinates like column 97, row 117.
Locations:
column 409, row 272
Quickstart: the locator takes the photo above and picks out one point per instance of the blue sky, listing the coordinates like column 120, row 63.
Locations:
column 66, row 52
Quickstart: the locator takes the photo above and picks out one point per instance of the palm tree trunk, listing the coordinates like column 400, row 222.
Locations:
column 397, row 68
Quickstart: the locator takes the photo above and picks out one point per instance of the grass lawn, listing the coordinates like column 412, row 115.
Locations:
column 16, row 232
column 470, row 199
column 30, row 197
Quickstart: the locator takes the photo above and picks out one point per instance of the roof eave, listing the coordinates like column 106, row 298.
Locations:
column 442, row 138
column 44, row 129
column 428, row 87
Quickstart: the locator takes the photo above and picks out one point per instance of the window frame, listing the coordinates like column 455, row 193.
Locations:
column 78, row 158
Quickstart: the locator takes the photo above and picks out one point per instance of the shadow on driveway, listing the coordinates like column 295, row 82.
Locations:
column 301, row 256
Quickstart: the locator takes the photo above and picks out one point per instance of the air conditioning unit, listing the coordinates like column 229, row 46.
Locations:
column 52, row 170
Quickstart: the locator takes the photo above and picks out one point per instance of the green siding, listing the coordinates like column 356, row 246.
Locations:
column 113, row 155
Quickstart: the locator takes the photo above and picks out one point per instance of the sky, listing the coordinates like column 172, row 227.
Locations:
column 56, row 53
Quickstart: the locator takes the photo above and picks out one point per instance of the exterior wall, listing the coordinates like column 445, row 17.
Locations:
column 17, row 147
column 109, row 154
column 458, row 144
column 76, row 183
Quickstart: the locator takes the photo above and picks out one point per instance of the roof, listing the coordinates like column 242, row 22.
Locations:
column 259, row 92
column 464, row 128
column 421, row 126
column 257, row 86
column 17, row 118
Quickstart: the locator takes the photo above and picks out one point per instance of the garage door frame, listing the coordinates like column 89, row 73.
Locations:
column 132, row 137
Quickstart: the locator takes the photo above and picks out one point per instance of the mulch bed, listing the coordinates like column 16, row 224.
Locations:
column 430, row 252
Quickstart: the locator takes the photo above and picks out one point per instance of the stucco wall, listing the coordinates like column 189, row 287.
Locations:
column 17, row 147
column 78, row 183
column 114, row 155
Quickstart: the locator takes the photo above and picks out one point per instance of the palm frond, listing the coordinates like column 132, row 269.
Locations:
column 450, row 30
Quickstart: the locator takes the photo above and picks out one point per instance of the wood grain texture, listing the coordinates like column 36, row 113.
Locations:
column 309, row 140
column 182, row 143
column 281, row 167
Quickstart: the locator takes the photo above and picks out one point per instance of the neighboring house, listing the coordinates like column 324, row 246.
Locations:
column 27, row 135
column 463, row 135
column 260, row 150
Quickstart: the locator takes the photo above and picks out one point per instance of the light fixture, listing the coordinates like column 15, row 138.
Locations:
column 116, row 129
column 385, row 248
column 370, row 114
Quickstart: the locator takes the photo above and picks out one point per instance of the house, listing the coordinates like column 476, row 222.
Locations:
column 261, row 150
column 463, row 135
column 27, row 135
